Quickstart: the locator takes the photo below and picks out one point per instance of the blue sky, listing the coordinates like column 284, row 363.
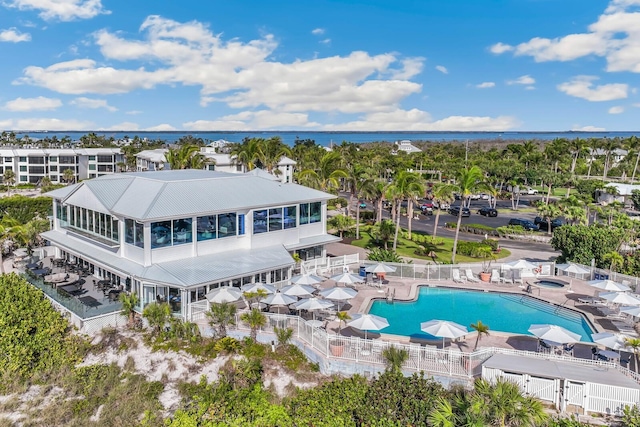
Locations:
column 375, row 65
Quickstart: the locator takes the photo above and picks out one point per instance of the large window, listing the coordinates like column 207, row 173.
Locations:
column 260, row 221
column 226, row 225
column 310, row 212
column 275, row 219
column 160, row 234
column 171, row 233
column 290, row 217
column 207, row 228
column 91, row 222
column 182, row 231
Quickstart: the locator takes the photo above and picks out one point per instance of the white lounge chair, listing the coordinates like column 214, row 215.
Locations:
column 495, row 276
column 470, row 276
column 455, row 273
column 507, row 276
column 517, row 277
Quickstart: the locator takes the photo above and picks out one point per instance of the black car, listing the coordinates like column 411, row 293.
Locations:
column 544, row 225
column 455, row 210
column 487, row 211
column 524, row 223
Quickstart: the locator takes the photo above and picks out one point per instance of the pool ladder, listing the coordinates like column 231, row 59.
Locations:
column 391, row 293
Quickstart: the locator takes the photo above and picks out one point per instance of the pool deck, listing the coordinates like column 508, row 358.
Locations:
column 407, row 290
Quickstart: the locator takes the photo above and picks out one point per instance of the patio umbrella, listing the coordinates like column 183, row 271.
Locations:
column 620, row 298
column 631, row 310
column 608, row 285
column 572, row 268
column 347, row 278
column 521, row 264
column 339, row 294
column 254, row 287
column 367, row 322
column 297, row 290
column 307, row 279
column 313, row 304
column 554, row 333
column 379, row 268
column 611, row 340
column 224, row 294
column 278, row 298
column 443, row 329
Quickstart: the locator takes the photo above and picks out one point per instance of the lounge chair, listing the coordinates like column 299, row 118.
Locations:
column 455, row 273
column 495, row 276
column 507, row 276
column 517, row 276
column 470, row 276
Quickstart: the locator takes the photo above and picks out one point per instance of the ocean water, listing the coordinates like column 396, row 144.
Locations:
column 326, row 138
column 501, row 312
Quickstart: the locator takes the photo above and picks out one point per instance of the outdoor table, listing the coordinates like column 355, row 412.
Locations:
column 609, row 354
column 89, row 301
column 40, row 271
column 32, row 265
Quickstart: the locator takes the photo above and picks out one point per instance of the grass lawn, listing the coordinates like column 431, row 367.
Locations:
column 406, row 248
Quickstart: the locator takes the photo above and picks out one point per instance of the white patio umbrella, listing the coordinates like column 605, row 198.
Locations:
column 297, row 290
column 368, row 322
column 631, row 310
column 443, row 329
column 620, row 298
column 554, row 333
column 611, row 340
column 254, row 287
column 572, row 268
column 379, row 268
column 313, row 304
column 347, row 278
column 339, row 294
column 278, row 298
column 608, row 285
column 521, row 264
column 307, row 279
column 224, row 294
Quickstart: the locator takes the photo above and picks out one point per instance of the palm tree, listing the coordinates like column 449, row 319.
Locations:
column 185, row 157
column 384, row 231
column 632, row 144
column 157, row 314
column 9, row 177
column 129, row 303
column 246, row 153
column 326, row 176
column 68, row 175
column 395, row 357
column 342, row 223
column 503, row 404
column 283, row 335
column 482, row 329
column 614, row 259
column 256, row 320
column 220, row 316
column 270, row 152
column 634, row 344
column 407, row 186
column 609, row 145
column 342, row 316
column 577, row 147
column 468, row 181
column 442, row 193
column 548, row 212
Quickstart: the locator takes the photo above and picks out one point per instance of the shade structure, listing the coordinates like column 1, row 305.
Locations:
column 572, row 268
column 620, row 298
column 278, row 298
column 611, row 340
column 368, row 322
column 255, row 287
column 554, row 333
column 298, row 290
column 339, row 294
column 313, row 304
column 224, row 294
column 379, row 268
column 608, row 285
column 443, row 329
column 521, row 264
column 306, row 279
column 347, row 278
column 631, row 310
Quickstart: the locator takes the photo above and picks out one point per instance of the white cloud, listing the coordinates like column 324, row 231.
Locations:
column 317, row 31
column 160, row 128
column 637, row 105
column 485, row 85
column 40, row 103
column 134, row 112
column 253, row 120
column 499, row 48
column 325, row 41
column 63, row 10
column 522, row 80
column 82, row 102
column 614, row 36
column 12, row 35
column 47, row 124
column 616, row 110
column 442, row 69
column 579, row 128
column 410, row 68
column 124, row 126
column 582, row 87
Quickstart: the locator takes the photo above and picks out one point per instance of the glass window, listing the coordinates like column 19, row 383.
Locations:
column 290, row 216
column 53, row 158
column 182, row 231
column 90, row 220
column 54, row 177
column 226, row 225
column 53, row 168
column 304, row 213
column 139, row 235
column 23, row 159
column 128, row 230
column 92, row 167
column 105, row 159
column 260, row 221
column 115, row 235
column 206, row 227
column 23, row 168
column 275, row 219
column 160, row 234
column 240, row 224
column 8, row 159
column 92, row 157
column 315, row 212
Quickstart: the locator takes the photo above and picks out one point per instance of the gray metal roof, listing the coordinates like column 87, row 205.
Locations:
column 322, row 239
column 175, row 193
column 187, row 272
column 556, row 369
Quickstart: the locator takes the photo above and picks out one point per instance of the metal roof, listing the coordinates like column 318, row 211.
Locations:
column 178, row 193
column 187, row 272
column 322, row 239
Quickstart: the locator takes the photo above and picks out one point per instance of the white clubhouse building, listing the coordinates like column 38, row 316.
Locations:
column 174, row 235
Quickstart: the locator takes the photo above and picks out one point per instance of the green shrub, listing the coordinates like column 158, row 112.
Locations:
column 333, row 203
column 384, row 255
column 508, row 230
column 367, row 215
column 491, row 242
column 474, row 249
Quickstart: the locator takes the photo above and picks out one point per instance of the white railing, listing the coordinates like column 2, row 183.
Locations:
column 329, row 265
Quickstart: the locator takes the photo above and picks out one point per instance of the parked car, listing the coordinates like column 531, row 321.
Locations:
column 524, row 223
column 363, row 205
column 443, row 205
column 543, row 225
column 386, row 205
column 528, row 191
column 455, row 210
column 426, row 210
column 426, row 205
column 488, row 211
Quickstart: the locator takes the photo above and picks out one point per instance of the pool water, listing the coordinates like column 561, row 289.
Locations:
column 512, row 313
column 549, row 284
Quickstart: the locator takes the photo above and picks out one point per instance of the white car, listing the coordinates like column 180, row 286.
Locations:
column 529, row 191
column 484, row 196
column 443, row 205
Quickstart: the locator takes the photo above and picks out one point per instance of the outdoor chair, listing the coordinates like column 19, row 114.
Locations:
column 517, row 276
column 495, row 276
column 507, row 276
column 470, row 276
column 455, row 274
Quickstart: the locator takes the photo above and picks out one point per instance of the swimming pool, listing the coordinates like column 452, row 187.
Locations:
column 550, row 283
column 512, row 313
